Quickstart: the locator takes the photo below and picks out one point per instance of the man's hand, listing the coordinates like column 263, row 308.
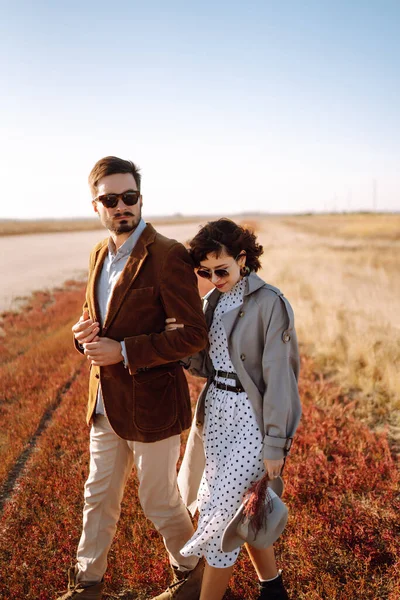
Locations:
column 85, row 330
column 103, row 352
column 273, row 467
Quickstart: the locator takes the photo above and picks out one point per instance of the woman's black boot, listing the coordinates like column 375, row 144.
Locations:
column 273, row 590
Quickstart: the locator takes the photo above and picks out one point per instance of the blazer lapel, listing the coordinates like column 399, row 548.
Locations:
column 92, row 282
column 129, row 274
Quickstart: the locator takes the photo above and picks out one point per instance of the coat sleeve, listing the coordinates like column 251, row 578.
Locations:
column 197, row 364
column 281, row 365
column 180, row 298
column 192, row 468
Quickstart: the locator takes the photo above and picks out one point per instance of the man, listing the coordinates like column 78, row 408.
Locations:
column 138, row 394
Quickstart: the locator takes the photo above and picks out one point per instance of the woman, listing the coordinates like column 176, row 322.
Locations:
column 249, row 408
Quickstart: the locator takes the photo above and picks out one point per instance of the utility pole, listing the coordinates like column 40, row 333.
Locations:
column 374, row 195
column 349, row 200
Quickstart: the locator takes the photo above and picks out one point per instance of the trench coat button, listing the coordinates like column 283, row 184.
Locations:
column 242, row 357
column 241, row 314
column 198, row 423
column 286, row 336
column 97, row 376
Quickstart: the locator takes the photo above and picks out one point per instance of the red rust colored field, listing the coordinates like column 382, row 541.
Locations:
column 342, row 539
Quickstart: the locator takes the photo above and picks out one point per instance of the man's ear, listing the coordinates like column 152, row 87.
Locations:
column 94, row 204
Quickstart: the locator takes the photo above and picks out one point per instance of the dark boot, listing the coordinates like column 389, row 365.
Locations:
column 273, row 590
column 79, row 591
column 185, row 586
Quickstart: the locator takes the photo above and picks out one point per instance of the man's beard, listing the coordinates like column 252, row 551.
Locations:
column 122, row 226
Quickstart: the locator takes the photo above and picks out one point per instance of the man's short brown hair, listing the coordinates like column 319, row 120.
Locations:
column 110, row 165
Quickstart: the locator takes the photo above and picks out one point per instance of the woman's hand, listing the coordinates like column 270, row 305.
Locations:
column 273, row 467
column 171, row 324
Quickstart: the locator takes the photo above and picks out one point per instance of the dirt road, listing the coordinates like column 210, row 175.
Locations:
column 40, row 261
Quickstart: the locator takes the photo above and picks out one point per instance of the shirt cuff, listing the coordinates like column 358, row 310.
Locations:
column 124, row 354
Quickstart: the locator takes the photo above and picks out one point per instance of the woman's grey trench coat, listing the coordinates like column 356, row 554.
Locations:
column 263, row 349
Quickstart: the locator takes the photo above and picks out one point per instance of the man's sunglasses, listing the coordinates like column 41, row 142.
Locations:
column 130, row 198
column 207, row 273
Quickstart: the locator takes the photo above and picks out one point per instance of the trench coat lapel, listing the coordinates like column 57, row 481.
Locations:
column 253, row 283
column 93, row 305
column 129, row 274
column 229, row 319
column 211, row 301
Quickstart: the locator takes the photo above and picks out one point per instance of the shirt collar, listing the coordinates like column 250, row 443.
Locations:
column 129, row 244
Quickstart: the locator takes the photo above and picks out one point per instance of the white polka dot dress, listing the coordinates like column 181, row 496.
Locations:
column 233, row 448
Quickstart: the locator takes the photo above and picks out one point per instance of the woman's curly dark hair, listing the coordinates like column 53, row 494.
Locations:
column 225, row 235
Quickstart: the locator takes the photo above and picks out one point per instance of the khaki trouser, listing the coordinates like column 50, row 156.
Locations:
column 111, row 462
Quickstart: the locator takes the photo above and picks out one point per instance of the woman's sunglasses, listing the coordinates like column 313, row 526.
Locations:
column 129, row 198
column 207, row 273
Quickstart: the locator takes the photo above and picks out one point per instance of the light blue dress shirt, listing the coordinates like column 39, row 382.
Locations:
column 113, row 266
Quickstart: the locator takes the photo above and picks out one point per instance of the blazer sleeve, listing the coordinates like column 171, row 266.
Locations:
column 77, row 345
column 180, row 298
column 85, row 306
column 281, row 366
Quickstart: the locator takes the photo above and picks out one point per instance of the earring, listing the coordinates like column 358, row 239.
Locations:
column 245, row 271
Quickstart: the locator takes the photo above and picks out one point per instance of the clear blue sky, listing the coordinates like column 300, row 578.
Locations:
column 226, row 106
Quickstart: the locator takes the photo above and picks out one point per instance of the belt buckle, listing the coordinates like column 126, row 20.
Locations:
column 224, row 383
column 219, row 383
column 288, row 445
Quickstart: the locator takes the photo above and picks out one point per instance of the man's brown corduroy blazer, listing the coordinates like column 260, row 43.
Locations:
column 148, row 401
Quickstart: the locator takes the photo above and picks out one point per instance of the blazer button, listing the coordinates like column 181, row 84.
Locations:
column 286, row 336
column 242, row 357
column 97, row 376
column 241, row 314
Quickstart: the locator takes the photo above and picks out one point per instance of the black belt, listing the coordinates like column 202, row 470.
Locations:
column 224, row 386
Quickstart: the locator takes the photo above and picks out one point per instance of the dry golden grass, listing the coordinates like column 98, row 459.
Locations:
column 345, row 291
column 350, row 226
